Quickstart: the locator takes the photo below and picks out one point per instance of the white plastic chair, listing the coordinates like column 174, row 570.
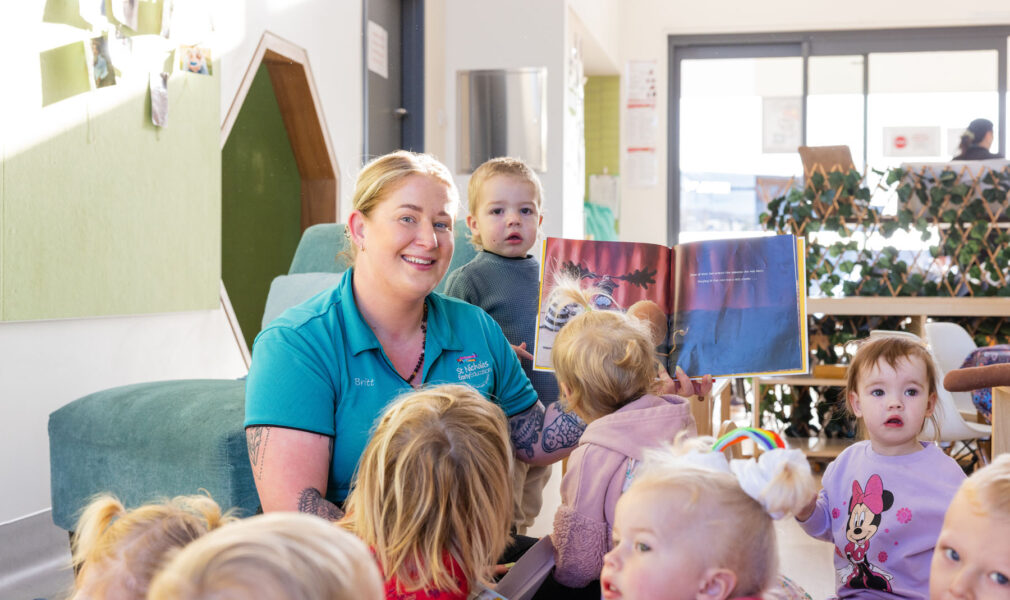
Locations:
column 951, row 344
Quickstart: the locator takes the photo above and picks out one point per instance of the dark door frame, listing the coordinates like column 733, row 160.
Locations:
column 411, row 53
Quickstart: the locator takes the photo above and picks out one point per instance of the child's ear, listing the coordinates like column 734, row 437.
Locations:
column 716, row 584
column 471, row 222
column 854, row 404
column 931, row 405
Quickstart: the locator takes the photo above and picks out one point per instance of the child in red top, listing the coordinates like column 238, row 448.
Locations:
column 433, row 495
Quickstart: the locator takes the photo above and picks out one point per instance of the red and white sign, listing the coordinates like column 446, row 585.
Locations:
column 912, row 141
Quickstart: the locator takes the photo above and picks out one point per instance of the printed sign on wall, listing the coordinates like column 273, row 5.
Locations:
column 911, row 141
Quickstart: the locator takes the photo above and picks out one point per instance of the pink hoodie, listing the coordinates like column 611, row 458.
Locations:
column 597, row 470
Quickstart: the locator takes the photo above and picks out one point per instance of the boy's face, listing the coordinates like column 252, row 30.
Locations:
column 507, row 216
column 972, row 556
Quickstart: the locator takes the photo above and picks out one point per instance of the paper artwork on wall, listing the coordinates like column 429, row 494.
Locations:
column 125, row 11
column 195, row 59
column 102, row 72
column 159, row 99
column 781, row 124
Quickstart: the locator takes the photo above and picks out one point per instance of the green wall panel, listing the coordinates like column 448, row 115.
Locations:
column 261, row 204
column 603, row 132
column 111, row 215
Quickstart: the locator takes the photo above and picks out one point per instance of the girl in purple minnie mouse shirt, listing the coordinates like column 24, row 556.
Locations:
column 883, row 499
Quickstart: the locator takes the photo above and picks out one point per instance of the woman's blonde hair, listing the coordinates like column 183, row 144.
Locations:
column 116, row 551
column 503, row 165
column 738, row 529
column 604, row 358
column 990, row 487
column 385, row 173
column 288, row 555
column 893, row 349
column 433, row 482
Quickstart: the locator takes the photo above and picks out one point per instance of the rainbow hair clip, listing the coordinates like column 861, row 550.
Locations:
column 766, row 440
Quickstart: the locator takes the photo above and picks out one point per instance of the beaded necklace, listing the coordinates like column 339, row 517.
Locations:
column 424, row 339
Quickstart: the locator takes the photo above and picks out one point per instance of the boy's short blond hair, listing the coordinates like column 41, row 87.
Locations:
column 116, row 551
column 892, row 349
column 504, row 165
column 604, row 359
column 435, row 481
column 276, row 555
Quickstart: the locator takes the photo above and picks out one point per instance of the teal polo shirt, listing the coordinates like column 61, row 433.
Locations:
column 319, row 367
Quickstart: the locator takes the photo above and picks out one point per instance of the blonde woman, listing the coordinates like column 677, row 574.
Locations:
column 266, row 557
column 117, row 551
column 433, row 495
column 324, row 371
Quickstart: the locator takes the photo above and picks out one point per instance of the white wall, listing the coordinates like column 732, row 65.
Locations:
column 645, row 25
column 488, row 34
column 44, row 365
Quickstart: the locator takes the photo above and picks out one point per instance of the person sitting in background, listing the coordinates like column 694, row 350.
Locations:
column 278, row 555
column 116, row 551
column 976, row 141
column 433, row 494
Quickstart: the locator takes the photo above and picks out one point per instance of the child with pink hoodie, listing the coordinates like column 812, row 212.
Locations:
column 606, row 368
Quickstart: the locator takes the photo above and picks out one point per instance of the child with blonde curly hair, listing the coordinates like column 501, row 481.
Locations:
column 692, row 525
column 883, row 499
column 606, row 367
column 116, row 552
column 972, row 555
column 433, row 493
column 287, row 555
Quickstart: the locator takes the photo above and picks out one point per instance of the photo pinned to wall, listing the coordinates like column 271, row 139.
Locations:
column 195, row 59
column 103, row 74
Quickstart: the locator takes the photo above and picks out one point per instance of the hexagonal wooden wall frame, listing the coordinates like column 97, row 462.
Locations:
column 293, row 85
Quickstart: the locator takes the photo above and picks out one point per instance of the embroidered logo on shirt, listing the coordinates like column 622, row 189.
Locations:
column 467, row 359
column 471, row 366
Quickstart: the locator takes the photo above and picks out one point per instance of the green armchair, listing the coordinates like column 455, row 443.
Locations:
column 161, row 439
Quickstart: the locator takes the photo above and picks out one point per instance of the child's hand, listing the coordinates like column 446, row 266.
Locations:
column 521, row 351
column 808, row 510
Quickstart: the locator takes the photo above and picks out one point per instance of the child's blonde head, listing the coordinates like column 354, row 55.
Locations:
column 116, row 551
column 892, row 349
column 603, row 358
column 435, row 480
column 989, row 488
column 715, row 507
column 504, row 165
column 277, row 555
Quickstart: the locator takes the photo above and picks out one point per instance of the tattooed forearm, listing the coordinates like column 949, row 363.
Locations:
column 256, row 439
column 525, row 428
column 312, row 502
column 563, row 432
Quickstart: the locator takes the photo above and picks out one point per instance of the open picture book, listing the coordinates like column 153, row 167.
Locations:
column 730, row 308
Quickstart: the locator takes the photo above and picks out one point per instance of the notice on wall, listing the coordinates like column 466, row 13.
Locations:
column 641, row 124
column 781, row 125
column 378, row 49
column 912, row 141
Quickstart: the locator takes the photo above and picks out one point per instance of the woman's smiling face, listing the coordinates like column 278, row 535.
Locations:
column 407, row 239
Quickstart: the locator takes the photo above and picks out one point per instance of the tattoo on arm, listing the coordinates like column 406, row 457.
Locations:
column 525, row 428
column 312, row 502
column 256, row 439
column 563, row 432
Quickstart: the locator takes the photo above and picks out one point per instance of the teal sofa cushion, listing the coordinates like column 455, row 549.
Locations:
column 150, row 441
